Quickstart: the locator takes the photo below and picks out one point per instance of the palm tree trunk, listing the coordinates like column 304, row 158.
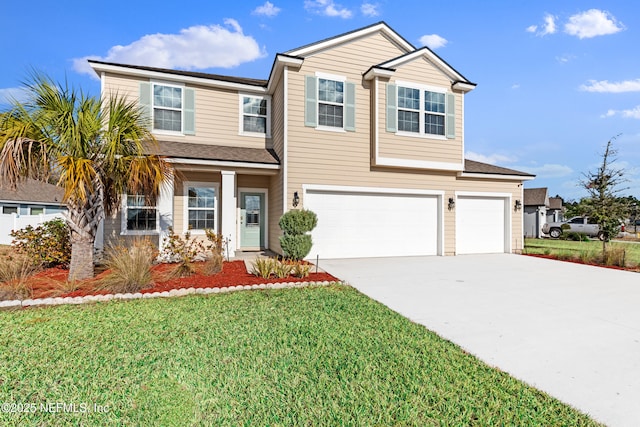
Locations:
column 81, row 265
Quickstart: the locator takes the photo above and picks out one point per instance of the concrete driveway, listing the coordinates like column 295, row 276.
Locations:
column 570, row 330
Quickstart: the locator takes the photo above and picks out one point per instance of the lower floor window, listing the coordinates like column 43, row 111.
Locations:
column 141, row 216
column 201, row 207
column 9, row 209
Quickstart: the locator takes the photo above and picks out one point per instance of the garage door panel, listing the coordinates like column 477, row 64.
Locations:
column 480, row 225
column 373, row 224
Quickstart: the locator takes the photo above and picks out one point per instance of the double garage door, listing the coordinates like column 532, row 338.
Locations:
column 362, row 224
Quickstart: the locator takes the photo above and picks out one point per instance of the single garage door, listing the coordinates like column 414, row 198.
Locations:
column 481, row 225
column 358, row 224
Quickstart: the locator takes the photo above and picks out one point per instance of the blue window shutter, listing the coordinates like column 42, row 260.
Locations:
column 451, row 115
column 145, row 102
column 392, row 108
column 311, row 101
column 189, row 113
column 350, row 107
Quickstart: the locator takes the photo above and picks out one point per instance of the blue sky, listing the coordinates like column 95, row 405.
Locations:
column 556, row 80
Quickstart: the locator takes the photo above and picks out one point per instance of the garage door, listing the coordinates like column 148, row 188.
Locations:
column 481, row 225
column 356, row 224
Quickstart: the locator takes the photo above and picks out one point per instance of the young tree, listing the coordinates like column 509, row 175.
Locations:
column 96, row 149
column 604, row 204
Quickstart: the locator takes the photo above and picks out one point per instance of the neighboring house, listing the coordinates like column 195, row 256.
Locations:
column 31, row 203
column 536, row 204
column 555, row 211
column 363, row 128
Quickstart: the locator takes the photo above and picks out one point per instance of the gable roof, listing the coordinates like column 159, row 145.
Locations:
column 32, row 191
column 471, row 166
column 536, row 197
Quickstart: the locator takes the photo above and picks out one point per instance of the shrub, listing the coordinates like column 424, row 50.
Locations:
column 186, row 250
column 213, row 264
column 263, row 267
column 48, row 244
column 130, row 268
column 297, row 222
column 575, row 236
column 296, row 246
column 301, row 269
column 615, row 256
column 282, row 269
column 15, row 272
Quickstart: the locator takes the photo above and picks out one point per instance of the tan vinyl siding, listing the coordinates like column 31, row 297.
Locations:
column 276, row 181
column 217, row 114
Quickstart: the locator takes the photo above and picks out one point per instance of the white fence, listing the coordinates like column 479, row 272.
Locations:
column 10, row 222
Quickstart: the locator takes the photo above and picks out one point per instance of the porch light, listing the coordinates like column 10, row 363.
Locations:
column 518, row 205
column 452, row 203
column 296, row 199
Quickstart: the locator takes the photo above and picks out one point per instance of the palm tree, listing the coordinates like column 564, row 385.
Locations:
column 94, row 148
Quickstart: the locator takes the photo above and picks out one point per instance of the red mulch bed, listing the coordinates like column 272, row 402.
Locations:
column 577, row 261
column 51, row 282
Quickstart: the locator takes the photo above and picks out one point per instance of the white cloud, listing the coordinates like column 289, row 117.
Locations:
column 547, row 170
column 633, row 113
column 491, row 158
column 515, row 86
column 604, row 86
column 370, row 9
column 194, row 48
column 549, row 26
column 563, row 59
column 592, row 23
column 267, row 9
column 327, row 8
column 433, row 41
column 13, row 94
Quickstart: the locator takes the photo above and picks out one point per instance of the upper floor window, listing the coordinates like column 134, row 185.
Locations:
column 330, row 102
column 170, row 107
column 420, row 110
column 139, row 215
column 254, row 112
column 167, row 108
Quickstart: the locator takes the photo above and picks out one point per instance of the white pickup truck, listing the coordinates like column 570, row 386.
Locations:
column 577, row 224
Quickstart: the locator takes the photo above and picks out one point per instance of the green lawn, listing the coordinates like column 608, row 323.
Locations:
column 310, row 356
column 582, row 250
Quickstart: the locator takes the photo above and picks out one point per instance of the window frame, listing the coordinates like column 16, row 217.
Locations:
column 123, row 217
column 422, row 112
column 17, row 208
column 155, row 83
column 241, row 130
column 336, row 78
column 44, row 210
column 185, row 205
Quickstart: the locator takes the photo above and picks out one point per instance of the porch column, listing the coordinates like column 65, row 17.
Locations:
column 229, row 211
column 165, row 210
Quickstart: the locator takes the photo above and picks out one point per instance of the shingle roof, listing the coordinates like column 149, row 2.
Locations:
column 232, row 79
column 215, row 152
column 555, row 202
column 535, row 196
column 33, row 191
column 471, row 166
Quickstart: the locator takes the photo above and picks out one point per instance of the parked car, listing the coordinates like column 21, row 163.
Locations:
column 577, row 224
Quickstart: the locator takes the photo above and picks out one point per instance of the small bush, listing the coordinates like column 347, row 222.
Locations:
column 184, row 251
column 297, row 222
column 130, row 268
column 301, row 270
column 15, row 272
column 283, row 269
column 296, row 246
column 615, row 256
column 263, row 267
column 48, row 244
column 576, row 237
column 213, row 264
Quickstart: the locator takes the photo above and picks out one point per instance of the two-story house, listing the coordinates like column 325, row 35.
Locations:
column 363, row 129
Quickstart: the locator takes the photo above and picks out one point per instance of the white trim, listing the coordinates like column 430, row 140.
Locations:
column 420, row 86
column 418, row 164
column 241, row 113
column 123, row 219
column 285, row 141
column 431, row 57
column 185, row 205
column 328, row 76
column 176, row 78
column 465, row 87
column 422, row 135
column 265, row 192
column 17, row 212
column 306, row 50
column 439, row 194
column 228, row 211
column 376, row 115
column 281, row 62
column 495, row 176
column 330, row 128
column 378, row 72
column 481, row 194
column 221, row 163
column 462, row 135
column 358, row 189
